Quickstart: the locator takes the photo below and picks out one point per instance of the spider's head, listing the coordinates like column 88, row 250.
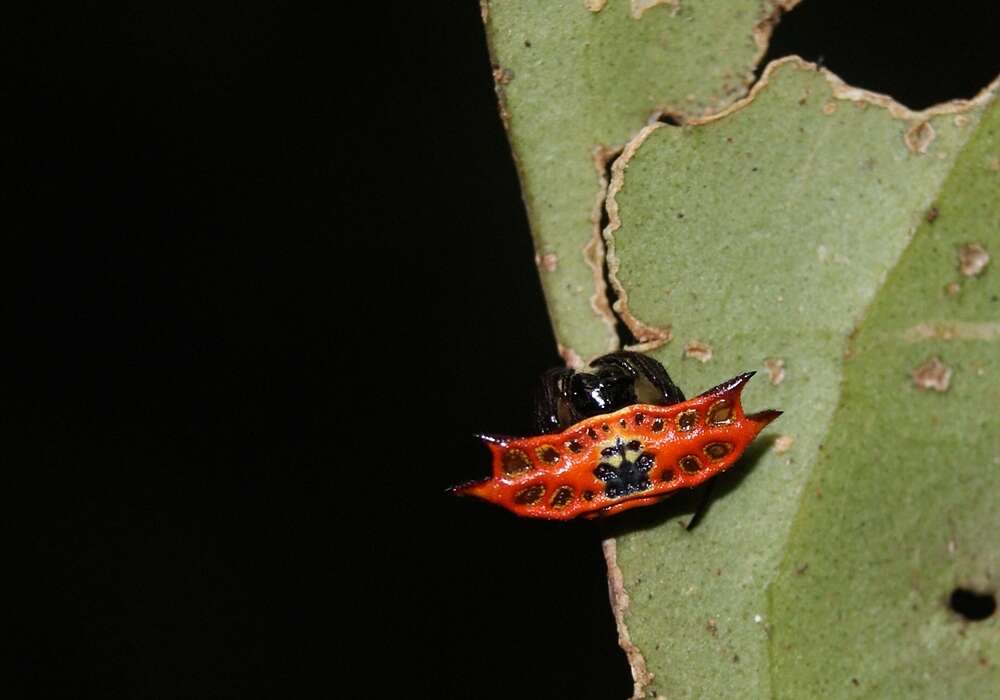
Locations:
column 605, row 390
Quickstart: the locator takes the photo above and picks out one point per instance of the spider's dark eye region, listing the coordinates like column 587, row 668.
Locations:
column 612, row 382
column 602, row 392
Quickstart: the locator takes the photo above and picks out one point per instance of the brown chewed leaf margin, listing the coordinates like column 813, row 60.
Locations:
column 619, row 605
column 575, row 81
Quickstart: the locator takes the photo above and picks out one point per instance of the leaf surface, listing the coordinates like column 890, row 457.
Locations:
column 575, row 84
column 794, row 228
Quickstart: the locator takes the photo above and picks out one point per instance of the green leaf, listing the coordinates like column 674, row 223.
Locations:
column 574, row 85
column 794, row 228
column 901, row 503
column 836, row 241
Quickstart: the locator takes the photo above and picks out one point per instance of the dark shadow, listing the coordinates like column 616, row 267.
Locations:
column 671, row 118
column 625, row 336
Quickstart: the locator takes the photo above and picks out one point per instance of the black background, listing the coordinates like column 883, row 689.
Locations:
column 224, row 454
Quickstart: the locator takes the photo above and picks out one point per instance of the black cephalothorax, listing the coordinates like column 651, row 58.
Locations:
column 617, row 380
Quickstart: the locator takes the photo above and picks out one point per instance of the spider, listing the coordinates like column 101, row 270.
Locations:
column 616, row 436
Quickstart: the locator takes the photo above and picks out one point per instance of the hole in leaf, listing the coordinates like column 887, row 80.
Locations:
column 972, row 605
column 671, row 119
column 919, row 53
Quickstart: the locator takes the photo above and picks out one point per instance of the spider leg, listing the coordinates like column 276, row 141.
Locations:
column 702, row 508
column 553, row 412
column 641, row 366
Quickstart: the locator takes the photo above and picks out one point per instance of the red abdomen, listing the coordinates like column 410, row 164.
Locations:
column 632, row 457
